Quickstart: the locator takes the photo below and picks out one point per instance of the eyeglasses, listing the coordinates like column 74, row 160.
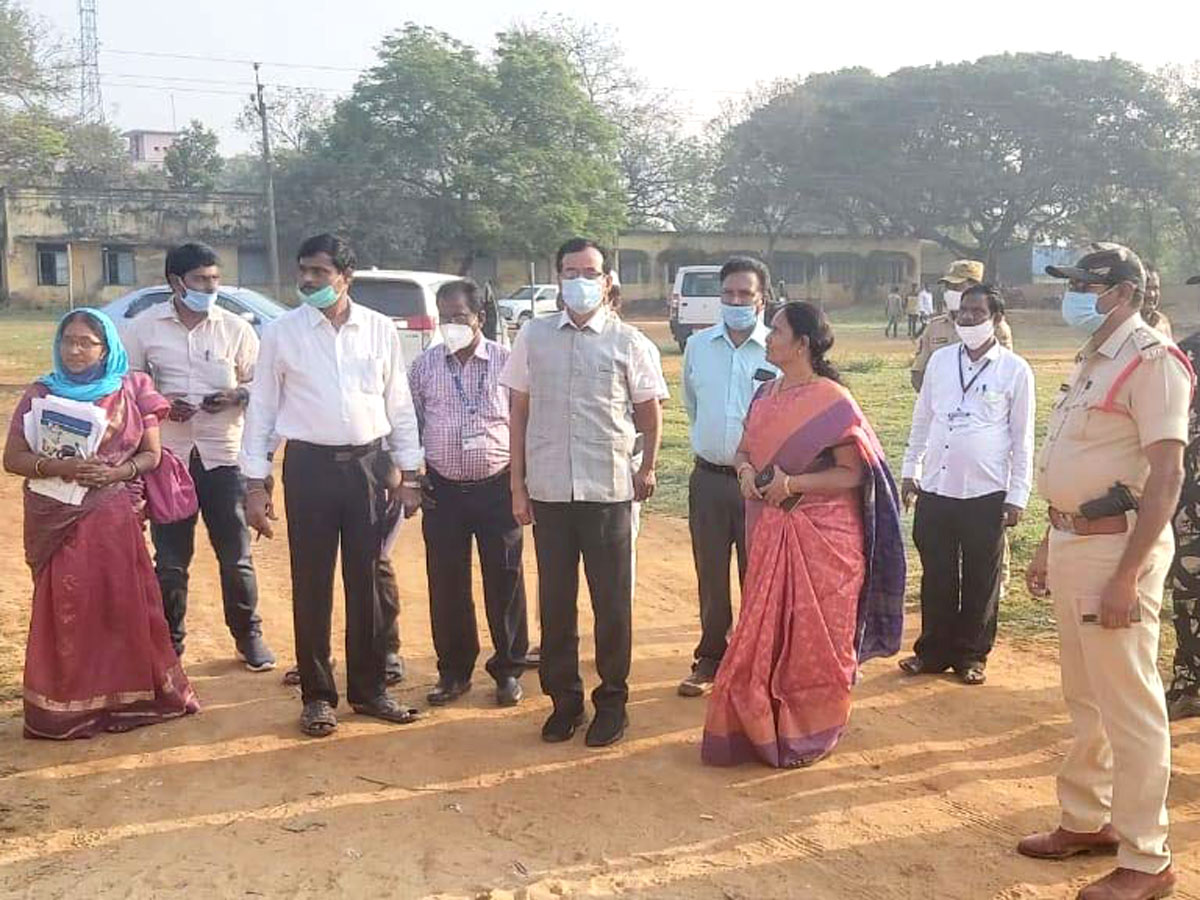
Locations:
column 70, row 343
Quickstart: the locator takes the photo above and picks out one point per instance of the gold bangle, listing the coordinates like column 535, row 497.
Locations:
column 136, row 470
column 37, row 467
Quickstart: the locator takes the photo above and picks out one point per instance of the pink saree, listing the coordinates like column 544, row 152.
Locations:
column 824, row 588
column 99, row 656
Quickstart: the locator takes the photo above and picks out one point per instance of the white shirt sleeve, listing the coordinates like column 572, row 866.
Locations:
column 646, row 381
column 259, row 438
column 515, row 375
column 135, row 350
column 689, row 390
column 246, row 356
column 922, row 422
column 1021, row 421
column 404, row 440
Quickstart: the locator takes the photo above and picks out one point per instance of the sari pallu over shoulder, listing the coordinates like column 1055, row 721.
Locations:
column 132, row 409
column 829, row 416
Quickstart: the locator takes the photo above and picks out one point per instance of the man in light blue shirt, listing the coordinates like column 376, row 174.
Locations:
column 720, row 366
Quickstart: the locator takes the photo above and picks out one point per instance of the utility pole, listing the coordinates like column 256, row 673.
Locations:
column 272, row 232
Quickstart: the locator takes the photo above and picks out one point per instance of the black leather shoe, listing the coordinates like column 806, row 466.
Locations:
column 561, row 726
column 607, row 727
column 447, row 691
column 509, row 691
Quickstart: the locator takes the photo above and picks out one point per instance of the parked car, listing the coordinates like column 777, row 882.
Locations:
column 409, row 299
column 515, row 308
column 695, row 301
column 255, row 308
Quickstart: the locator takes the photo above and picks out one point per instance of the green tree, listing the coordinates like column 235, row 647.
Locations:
column 32, row 67
column 192, row 161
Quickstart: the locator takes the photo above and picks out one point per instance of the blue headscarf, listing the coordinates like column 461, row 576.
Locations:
column 99, row 381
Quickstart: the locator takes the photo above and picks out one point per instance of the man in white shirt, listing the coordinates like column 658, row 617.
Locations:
column 202, row 358
column 968, row 466
column 925, row 304
column 331, row 382
column 583, row 384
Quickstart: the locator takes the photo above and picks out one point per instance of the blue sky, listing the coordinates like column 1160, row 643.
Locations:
column 703, row 52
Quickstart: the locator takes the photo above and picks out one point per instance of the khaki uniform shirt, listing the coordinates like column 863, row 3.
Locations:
column 1126, row 394
column 940, row 333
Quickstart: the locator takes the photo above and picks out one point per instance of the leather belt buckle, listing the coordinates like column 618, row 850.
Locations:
column 343, row 456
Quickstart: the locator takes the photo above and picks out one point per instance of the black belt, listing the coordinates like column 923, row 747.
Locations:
column 338, row 452
column 439, row 479
column 702, row 463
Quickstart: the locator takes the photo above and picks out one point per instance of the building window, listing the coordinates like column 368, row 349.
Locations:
column 793, row 268
column 252, row 267
column 118, row 265
column 52, row 264
column 633, row 267
column 839, row 269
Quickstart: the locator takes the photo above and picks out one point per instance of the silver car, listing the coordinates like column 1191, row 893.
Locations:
column 252, row 306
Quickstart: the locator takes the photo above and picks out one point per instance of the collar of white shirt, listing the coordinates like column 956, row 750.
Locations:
column 167, row 310
column 992, row 354
column 758, row 335
column 595, row 323
column 316, row 317
column 1115, row 341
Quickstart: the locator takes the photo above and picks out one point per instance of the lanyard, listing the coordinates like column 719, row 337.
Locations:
column 962, row 381
column 472, row 408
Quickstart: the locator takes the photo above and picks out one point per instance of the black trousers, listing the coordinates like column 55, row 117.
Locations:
column 717, row 521
column 602, row 534
column 453, row 514
column 222, row 495
column 337, row 498
column 961, row 543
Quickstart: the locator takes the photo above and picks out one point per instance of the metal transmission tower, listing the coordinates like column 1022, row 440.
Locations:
column 91, row 107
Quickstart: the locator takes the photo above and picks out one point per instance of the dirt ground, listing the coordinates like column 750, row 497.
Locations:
column 930, row 789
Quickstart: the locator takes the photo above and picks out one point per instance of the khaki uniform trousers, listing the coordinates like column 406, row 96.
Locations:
column 1119, row 765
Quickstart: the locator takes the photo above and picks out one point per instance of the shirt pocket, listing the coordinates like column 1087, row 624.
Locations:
column 216, row 375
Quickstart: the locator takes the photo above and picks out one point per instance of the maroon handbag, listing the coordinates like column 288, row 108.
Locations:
column 170, row 491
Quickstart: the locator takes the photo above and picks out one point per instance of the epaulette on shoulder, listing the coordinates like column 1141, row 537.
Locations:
column 1149, row 343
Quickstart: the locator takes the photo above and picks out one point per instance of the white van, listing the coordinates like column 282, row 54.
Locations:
column 409, row 299
column 695, row 301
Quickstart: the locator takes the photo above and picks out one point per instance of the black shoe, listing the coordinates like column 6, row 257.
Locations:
column 607, row 727
column 509, row 691
column 447, row 691
column 700, row 682
column 394, row 668
column 561, row 726
column 254, row 652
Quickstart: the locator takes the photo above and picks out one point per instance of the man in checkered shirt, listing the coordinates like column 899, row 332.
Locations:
column 462, row 410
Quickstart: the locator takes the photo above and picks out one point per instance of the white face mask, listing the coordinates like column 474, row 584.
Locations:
column 953, row 300
column 456, row 337
column 975, row 336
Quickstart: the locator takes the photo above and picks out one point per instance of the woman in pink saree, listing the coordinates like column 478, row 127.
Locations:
column 824, row 589
column 99, row 655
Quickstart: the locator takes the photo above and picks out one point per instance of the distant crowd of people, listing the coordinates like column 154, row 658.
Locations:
column 562, row 432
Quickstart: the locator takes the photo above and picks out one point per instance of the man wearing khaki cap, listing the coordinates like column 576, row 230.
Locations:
column 940, row 331
column 1110, row 469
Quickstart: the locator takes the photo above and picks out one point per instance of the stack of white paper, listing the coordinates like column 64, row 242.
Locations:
column 62, row 428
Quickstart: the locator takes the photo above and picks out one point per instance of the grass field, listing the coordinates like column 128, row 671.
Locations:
column 874, row 367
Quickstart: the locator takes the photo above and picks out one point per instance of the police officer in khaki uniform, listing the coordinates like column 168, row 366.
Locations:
column 1111, row 470
column 940, row 331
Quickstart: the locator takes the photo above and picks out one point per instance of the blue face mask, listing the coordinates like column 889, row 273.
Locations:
column 322, row 298
column 739, row 318
column 582, row 295
column 1079, row 310
column 197, row 301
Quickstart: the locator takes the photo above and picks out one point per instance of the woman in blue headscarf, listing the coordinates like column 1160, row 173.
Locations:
column 99, row 655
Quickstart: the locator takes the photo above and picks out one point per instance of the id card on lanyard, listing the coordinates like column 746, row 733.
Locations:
column 473, row 436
